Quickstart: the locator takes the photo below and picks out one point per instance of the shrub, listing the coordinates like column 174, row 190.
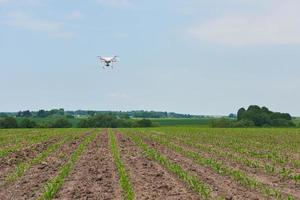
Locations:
column 104, row 121
column 8, row 122
column 221, row 123
column 27, row 123
column 282, row 123
column 61, row 123
column 144, row 123
column 244, row 123
column 111, row 121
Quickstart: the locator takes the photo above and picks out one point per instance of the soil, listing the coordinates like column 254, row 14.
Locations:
column 31, row 185
column 8, row 163
column 286, row 186
column 94, row 175
column 220, row 185
column 288, row 165
column 149, row 179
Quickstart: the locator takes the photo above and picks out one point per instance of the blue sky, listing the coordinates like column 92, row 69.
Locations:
column 198, row 57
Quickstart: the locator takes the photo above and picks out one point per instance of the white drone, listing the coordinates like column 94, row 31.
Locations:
column 108, row 61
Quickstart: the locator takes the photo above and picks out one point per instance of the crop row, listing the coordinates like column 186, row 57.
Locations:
column 22, row 167
column 248, row 144
column 218, row 152
column 222, row 169
column 193, row 182
column 18, row 141
column 125, row 183
column 53, row 186
column 274, row 140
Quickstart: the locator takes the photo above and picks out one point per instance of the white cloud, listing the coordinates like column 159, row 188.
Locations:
column 74, row 15
column 27, row 22
column 114, row 2
column 279, row 23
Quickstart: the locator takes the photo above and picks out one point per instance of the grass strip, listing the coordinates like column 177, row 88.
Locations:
column 53, row 186
column 193, row 182
column 125, row 183
column 219, row 168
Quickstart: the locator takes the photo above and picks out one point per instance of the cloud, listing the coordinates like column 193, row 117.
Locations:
column 114, row 2
column 27, row 22
column 74, row 15
column 278, row 23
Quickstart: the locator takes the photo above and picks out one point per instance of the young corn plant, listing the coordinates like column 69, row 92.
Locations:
column 53, row 186
column 297, row 178
column 218, row 167
column 24, row 166
column 193, row 182
column 125, row 183
column 257, row 165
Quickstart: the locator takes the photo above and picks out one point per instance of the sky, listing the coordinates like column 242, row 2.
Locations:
column 199, row 57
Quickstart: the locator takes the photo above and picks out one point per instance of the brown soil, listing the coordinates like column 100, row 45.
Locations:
column 8, row 163
column 94, row 176
column 288, row 165
column 150, row 180
column 31, row 185
column 221, row 185
column 287, row 186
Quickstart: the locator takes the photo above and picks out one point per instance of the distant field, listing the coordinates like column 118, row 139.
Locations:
column 48, row 120
column 150, row 163
column 181, row 121
column 297, row 120
column 156, row 121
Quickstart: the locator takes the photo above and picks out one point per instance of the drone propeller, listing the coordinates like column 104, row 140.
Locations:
column 108, row 61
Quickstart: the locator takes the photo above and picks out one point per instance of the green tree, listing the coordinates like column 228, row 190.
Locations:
column 104, row 121
column 84, row 123
column 61, row 123
column 25, row 113
column 27, row 123
column 42, row 113
column 263, row 117
column 8, row 122
column 240, row 113
column 231, row 115
column 144, row 123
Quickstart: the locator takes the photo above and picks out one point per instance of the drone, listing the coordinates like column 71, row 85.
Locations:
column 108, row 61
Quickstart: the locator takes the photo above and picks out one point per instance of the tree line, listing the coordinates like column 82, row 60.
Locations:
column 101, row 121
column 13, row 122
column 255, row 116
column 83, row 113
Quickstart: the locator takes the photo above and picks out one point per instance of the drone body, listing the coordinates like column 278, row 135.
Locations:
column 108, row 60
